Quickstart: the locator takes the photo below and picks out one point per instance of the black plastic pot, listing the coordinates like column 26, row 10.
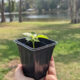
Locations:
column 35, row 61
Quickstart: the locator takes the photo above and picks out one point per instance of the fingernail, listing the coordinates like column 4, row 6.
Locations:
column 52, row 58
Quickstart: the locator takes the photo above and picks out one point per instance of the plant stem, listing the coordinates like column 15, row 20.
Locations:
column 33, row 44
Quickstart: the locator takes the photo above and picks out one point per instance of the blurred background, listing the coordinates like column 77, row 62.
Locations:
column 57, row 19
column 39, row 9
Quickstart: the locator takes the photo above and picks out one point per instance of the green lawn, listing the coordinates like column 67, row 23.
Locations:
column 67, row 51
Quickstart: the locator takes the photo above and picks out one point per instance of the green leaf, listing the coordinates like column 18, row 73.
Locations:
column 29, row 38
column 36, row 40
column 27, row 34
column 42, row 36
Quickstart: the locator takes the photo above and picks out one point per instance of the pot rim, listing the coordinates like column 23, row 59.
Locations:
column 35, row 49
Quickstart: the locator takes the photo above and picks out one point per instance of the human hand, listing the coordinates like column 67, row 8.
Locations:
column 51, row 74
column 19, row 74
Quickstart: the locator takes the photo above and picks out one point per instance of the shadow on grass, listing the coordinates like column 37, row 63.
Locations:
column 68, row 48
column 8, row 50
column 51, row 26
column 63, row 35
column 69, row 58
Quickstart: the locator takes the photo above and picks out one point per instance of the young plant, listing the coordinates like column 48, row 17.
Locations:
column 33, row 37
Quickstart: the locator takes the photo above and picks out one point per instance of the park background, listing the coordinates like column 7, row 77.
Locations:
column 58, row 19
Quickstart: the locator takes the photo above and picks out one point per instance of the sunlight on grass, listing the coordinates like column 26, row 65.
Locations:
column 77, row 36
column 3, row 47
column 3, row 72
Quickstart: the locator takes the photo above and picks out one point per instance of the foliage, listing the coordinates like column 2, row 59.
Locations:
column 38, row 4
column 13, row 6
column 33, row 37
column 46, row 4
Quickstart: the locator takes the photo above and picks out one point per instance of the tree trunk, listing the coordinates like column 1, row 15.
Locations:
column 69, row 7
column 10, row 15
column 74, row 12
column 20, row 11
column 2, row 12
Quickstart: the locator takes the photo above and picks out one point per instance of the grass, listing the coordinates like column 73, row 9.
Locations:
column 67, row 51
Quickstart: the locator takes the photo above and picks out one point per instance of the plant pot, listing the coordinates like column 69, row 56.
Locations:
column 36, row 60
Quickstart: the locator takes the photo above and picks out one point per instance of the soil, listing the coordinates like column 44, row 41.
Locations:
column 29, row 43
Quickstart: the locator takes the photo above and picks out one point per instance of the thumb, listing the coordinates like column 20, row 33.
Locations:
column 19, row 74
column 18, row 71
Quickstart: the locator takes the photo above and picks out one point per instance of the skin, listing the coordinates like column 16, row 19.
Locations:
column 51, row 74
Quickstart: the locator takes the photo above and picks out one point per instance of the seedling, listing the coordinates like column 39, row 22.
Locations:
column 33, row 37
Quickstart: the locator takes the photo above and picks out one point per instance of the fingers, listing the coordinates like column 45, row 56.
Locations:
column 52, row 61
column 50, row 77
column 52, row 69
column 18, row 72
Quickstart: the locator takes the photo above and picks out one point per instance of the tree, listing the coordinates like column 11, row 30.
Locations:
column 10, row 15
column 11, row 9
column 46, row 5
column 13, row 5
column 2, row 12
column 20, row 11
column 74, row 12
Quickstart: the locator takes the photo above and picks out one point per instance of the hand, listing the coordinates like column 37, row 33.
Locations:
column 51, row 74
column 19, row 74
